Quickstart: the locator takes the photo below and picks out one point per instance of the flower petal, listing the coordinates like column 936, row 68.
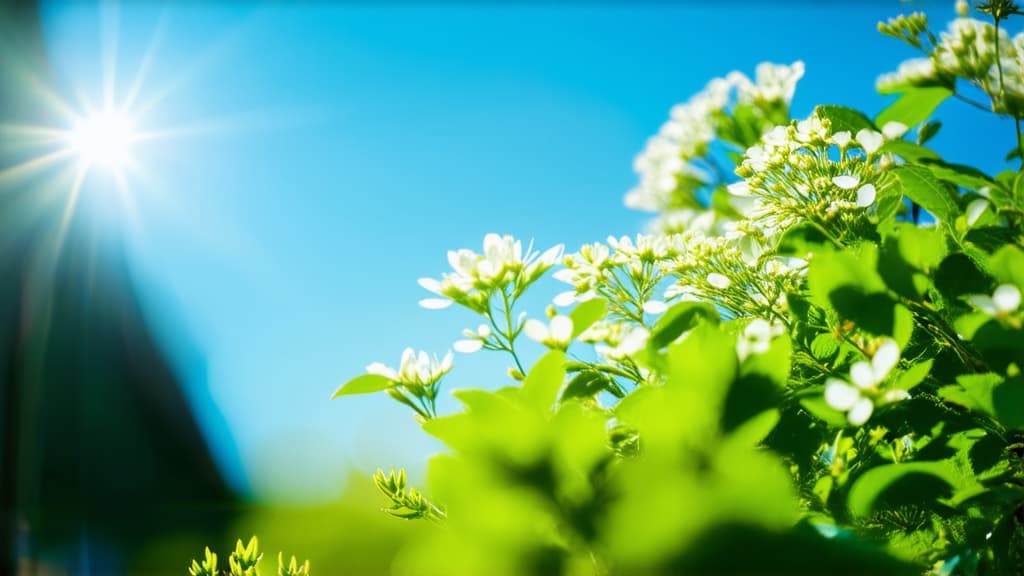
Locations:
column 885, row 359
column 718, row 280
column 565, row 298
column 536, row 330
column 468, row 346
column 430, row 284
column 840, row 395
column 861, row 411
column 1006, row 298
column 894, row 130
column 846, row 181
column 561, row 329
column 842, row 139
column 870, row 140
column 382, row 370
column 866, row 195
column 435, row 303
column 983, row 303
column 862, row 375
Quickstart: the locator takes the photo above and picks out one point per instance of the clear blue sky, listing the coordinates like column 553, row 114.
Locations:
column 324, row 156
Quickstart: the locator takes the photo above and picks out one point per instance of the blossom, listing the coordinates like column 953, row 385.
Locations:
column 846, row 182
column 774, row 83
column 858, row 399
column 414, row 369
column 1004, row 301
column 624, row 340
column 869, row 140
column 557, row 335
column 866, row 195
column 894, row 130
column 756, row 337
column 474, row 340
column 474, row 275
column 719, row 281
column 912, row 72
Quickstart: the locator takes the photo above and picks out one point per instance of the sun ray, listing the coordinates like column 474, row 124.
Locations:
column 28, row 167
column 110, row 21
column 69, row 206
column 147, row 61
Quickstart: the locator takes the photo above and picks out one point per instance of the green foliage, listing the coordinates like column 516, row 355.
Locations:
column 244, row 561
column 795, row 372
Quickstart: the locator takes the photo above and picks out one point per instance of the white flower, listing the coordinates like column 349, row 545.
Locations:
column 474, row 275
column 894, row 130
column 415, row 369
column 846, row 182
column 857, row 400
column 557, row 335
column 630, row 342
column 756, row 338
column 846, row 398
column 842, row 139
column 719, row 281
column 775, row 82
column 474, row 340
column 913, row 72
column 866, row 195
column 1005, row 300
column 870, row 140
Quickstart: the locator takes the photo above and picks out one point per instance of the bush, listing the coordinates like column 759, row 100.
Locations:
column 813, row 366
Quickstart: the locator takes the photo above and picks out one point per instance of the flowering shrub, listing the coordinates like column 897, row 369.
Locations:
column 810, row 364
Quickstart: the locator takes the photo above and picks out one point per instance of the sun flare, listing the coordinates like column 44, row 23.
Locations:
column 104, row 139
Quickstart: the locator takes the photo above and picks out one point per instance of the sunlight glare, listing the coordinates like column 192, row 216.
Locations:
column 104, row 139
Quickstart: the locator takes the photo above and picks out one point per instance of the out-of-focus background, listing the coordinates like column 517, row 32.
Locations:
column 171, row 327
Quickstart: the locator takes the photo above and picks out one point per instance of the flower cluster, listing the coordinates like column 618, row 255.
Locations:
column 793, row 176
column 975, row 50
column 676, row 162
column 476, row 277
column 416, row 382
column 625, row 272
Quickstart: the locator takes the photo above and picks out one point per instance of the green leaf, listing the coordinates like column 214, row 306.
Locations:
column 928, row 479
column 959, row 175
column 365, row 384
column 824, row 346
column 1008, row 401
column 921, row 186
column 586, row 384
column 914, row 375
column 1007, row 265
column 586, row 313
column 844, row 118
column 541, row 385
column 927, row 131
column 678, row 319
column 832, row 271
column 755, row 429
column 909, row 151
column 914, row 106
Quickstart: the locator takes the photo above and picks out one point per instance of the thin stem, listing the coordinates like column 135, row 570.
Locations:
column 971, row 102
column 510, row 334
column 1002, row 95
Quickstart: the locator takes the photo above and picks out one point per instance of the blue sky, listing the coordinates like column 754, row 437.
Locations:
column 321, row 157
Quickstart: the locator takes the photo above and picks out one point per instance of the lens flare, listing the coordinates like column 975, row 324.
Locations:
column 104, row 139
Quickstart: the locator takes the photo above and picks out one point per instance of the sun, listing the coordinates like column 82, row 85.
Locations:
column 104, row 139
